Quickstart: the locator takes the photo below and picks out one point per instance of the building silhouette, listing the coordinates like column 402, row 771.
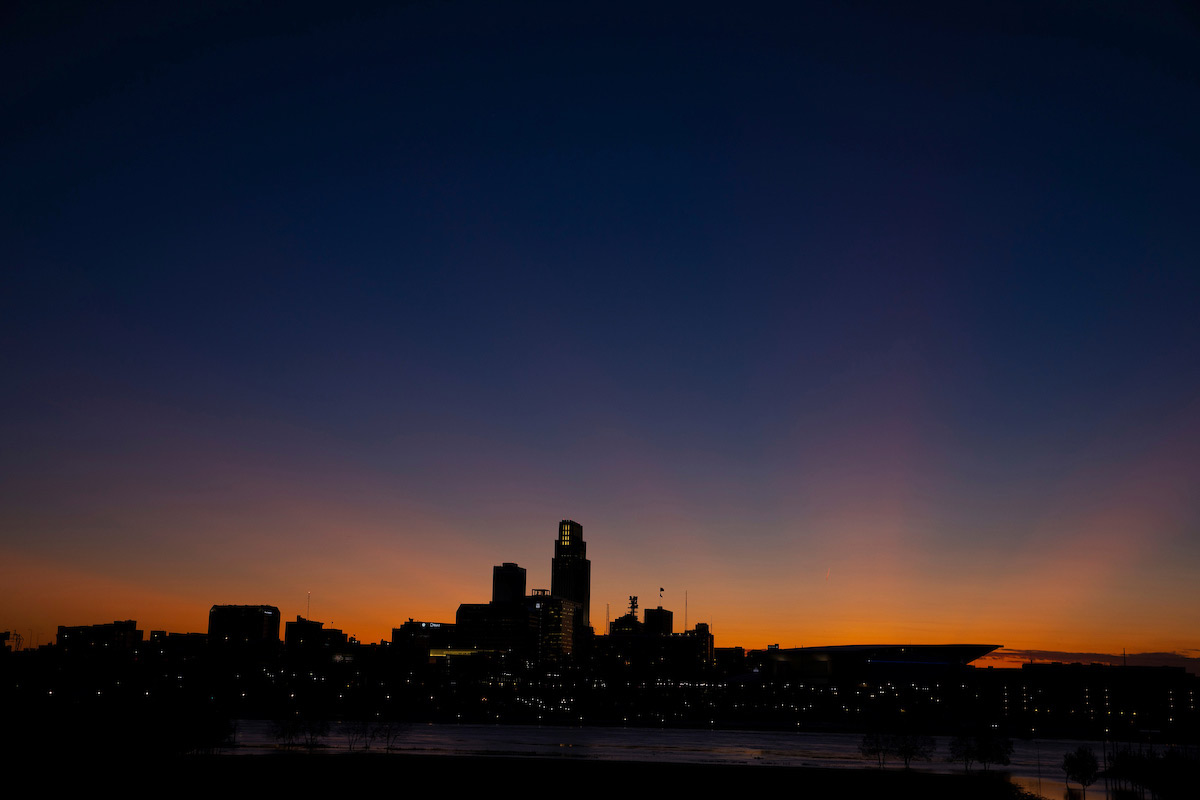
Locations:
column 493, row 627
column 508, row 583
column 415, row 641
column 538, row 626
column 552, row 620
column 117, row 635
column 659, row 621
column 243, row 626
column 571, row 573
column 520, row 658
column 307, row 637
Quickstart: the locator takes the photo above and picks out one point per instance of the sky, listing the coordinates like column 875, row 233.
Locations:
column 836, row 323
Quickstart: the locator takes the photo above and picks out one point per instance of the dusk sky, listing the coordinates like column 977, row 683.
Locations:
column 856, row 325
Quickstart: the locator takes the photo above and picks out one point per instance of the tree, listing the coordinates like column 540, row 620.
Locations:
column 992, row 748
column 286, row 731
column 312, row 731
column 874, row 745
column 962, row 748
column 985, row 748
column 389, row 732
column 355, row 733
column 1081, row 766
column 910, row 747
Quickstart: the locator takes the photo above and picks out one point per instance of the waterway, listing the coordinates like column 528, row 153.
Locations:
column 1036, row 763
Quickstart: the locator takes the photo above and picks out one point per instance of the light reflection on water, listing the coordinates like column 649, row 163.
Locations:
column 1036, row 765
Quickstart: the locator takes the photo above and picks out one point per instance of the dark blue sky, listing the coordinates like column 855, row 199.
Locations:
column 731, row 277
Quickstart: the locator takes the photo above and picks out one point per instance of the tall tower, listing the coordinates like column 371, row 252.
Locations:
column 571, row 572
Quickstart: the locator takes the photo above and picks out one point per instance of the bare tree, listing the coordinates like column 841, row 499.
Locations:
column 910, row 747
column 286, row 732
column 1081, row 766
column 312, row 731
column 389, row 732
column 355, row 733
column 992, row 748
column 962, row 748
column 874, row 745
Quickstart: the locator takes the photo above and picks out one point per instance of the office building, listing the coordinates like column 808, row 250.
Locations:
column 118, row 635
column 659, row 621
column 508, row 583
column 552, row 620
column 307, row 636
column 238, row 627
column 571, row 572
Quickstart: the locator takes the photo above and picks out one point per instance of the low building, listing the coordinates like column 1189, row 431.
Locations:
column 243, row 627
column 116, row 635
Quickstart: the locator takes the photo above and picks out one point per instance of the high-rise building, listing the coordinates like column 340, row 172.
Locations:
column 571, row 572
column 659, row 621
column 552, row 620
column 508, row 583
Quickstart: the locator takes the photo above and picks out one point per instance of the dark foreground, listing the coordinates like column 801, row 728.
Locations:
column 297, row 774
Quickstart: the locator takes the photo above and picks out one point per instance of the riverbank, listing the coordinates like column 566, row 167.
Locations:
column 342, row 773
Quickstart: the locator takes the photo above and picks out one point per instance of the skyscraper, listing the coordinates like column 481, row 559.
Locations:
column 508, row 583
column 571, row 572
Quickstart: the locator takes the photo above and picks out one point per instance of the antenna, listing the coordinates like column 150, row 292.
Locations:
column 308, row 608
column 685, row 627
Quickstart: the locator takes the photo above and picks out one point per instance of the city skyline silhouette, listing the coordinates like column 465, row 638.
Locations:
column 840, row 324
column 523, row 676
column 502, row 624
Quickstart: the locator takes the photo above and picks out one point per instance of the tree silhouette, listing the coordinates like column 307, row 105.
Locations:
column 356, row 733
column 874, row 745
column 286, row 731
column 992, row 748
column 985, row 748
column 910, row 747
column 389, row 732
column 962, row 748
column 312, row 731
column 1081, row 766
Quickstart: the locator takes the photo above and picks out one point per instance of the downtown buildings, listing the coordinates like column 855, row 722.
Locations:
column 533, row 657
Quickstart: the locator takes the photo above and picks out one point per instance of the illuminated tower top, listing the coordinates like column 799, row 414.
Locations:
column 570, row 540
